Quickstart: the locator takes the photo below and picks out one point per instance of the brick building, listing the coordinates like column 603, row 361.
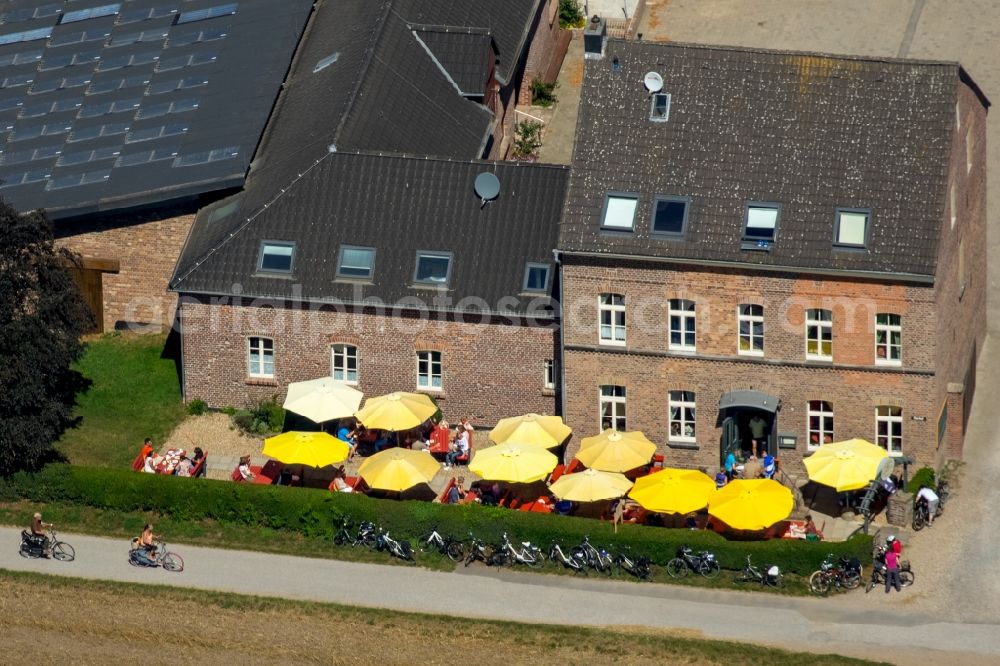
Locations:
column 781, row 243
column 416, row 283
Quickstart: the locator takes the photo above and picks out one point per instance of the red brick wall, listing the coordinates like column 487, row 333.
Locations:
column 961, row 280
column 489, row 371
column 545, row 52
column 147, row 245
column 852, row 382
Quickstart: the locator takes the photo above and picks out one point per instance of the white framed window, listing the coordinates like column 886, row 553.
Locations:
column 612, row 319
column 682, row 416
column 750, row 321
column 888, row 339
column 819, row 335
column 612, row 407
column 344, row 363
column 851, row 230
column 820, row 421
column 619, row 211
column 682, row 325
column 260, row 357
column 549, row 374
column 536, row 278
column 889, row 428
column 659, row 110
column 429, row 370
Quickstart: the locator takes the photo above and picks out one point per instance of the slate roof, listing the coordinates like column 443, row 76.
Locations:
column 810, row 132
column 464, row 54
column 107, row 104
column 417, row 204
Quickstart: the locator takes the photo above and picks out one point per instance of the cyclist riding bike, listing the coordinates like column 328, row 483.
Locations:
column 38, row 531
column 146, row 547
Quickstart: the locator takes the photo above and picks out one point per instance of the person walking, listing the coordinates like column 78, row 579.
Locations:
column 892, row 570
column 730, row 466
column 757, row 426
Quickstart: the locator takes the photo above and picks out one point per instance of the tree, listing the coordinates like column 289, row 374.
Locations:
column 527, row 140
column 42, row 316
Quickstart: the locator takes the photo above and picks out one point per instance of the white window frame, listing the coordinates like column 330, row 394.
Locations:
column 813, row 319
column 891, row 442
column 750, row 320
column 841, row 212
column 263, row 347
column 617, row 405
column 655, row 97
column 544, row 289
column 615, row 200
column 549, row 374
column 615, row 315
column 824, row 412
column 887, row 329
column 687, row 323
column 340, row 353
column 679, row 402
column 425, row 381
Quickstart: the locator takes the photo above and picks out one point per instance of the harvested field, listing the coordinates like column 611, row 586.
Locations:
column 54, row 620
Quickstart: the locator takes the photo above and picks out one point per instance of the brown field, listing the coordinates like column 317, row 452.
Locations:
column 51, row 620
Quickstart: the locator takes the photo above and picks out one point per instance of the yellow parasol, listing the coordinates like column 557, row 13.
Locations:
column 545, row 431
column 751, row 504
column 673, row 491
column 847, row 465
column 396, row 411
column 513, row 463
column 590, row 486
column 398, row 469
column 322, row 399
column 614, row 451
column 314, row 449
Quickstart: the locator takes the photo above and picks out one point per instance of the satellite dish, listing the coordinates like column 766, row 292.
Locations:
column 487, row 187
column 885, row 468
column 653, row 82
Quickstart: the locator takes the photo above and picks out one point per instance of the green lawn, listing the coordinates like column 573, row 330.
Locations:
column 134, row 394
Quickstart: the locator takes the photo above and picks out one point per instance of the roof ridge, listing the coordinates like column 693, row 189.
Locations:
column 755, row 49
column 441, row 158
column 438, row 27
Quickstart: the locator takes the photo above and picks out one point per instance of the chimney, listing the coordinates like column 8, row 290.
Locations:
column 595, row 38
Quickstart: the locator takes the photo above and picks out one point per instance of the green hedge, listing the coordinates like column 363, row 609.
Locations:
column 316, row 513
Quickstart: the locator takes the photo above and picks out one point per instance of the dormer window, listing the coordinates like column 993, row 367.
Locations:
column 433, row 268
column 276, row 257
column 660, row 111
column 852, row 228
column 536, row 278
column 356, row 262
column 761, row 226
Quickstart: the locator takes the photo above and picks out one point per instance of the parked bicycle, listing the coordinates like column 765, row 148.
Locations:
column 704, row 563
column 921, row 512
column 365, row 536
column 36, row 546
column 846, row 574
column 636, row 566
column 906, row 575
column 478, row 550
column 769, row 575
column 596, row 558
column 507, row 554
column 577, row 564
column 453, row 548
column 401, row 549
column 161, row 557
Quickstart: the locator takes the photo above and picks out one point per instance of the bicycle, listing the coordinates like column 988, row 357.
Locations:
column 596, row 558
column 506, row 554
column 921, row 514
column 478, row 550
column 638, row 567
column 365, row 535
column 704, row 563
column 770, row 576
column 161, row 557
column 906, row 575
column 846, row 575
column 400, row 549
column 453, row 548
column 556, row 554
column 35, row 547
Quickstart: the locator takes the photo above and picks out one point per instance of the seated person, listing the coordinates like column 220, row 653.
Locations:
column 770, row 466
column 721, row 479
column 811, row 529
column 752, row 468
column 339, row 483
column 459, row 450
column 457, row 492
column 244, row 469
column 199, row 455
column 149, row 466
column 184, row 467
column 145, row 548
column 348, row 436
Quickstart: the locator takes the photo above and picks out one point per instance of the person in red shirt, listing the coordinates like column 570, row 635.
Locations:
column 892, row 571
column 893, row 544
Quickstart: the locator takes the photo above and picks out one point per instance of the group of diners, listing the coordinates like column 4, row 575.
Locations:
column 437, row 438
column 172, row 462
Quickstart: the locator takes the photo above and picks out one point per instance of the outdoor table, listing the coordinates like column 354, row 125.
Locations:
column 171, row 458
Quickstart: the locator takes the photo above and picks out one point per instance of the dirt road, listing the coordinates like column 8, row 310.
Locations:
column 827, row 625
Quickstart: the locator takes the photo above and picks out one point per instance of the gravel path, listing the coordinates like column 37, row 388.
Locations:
column 822, row 625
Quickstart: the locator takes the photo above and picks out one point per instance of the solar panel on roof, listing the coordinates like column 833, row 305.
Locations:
column 145, row 157
column 67, row 104
column 84, row 156
column 19, row 157
column 195, row 37
column 35, row 131
column 76, row 179
column 193, row 60
column 177, row 106
column 26, row 36
column 31, row 12
column 95, row 131
column 91, row 12
column 23, row 178
column 151, row 35
column 207, row 13
column 17, row 80
column 10, row 103
column 204, row 157
column 20, row 58
column 81, row 36
column 148, row 133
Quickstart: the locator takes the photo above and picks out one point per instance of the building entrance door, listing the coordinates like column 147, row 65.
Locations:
column 749, row 421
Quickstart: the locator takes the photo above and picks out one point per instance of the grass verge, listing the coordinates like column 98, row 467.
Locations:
column 134, row 394
column 245, row 629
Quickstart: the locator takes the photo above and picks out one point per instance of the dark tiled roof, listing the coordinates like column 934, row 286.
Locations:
column 114, row 104
column 398, row 205
column 465, row 55
column 810, row 132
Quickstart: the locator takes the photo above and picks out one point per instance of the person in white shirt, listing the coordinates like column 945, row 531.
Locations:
column 932, row 500
column 147, row 466
column 461, row 447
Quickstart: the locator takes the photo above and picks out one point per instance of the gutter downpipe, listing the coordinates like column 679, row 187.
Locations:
column 557, row 257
